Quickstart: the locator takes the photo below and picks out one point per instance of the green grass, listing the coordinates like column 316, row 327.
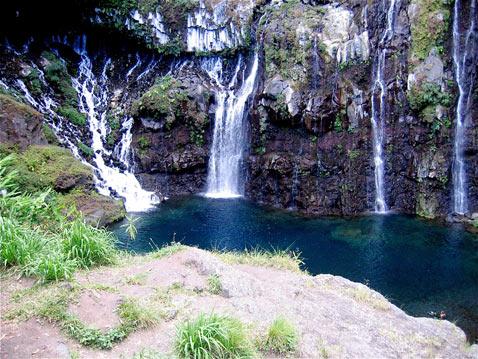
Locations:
column 42, row 167
column 72, row 115
column 88, row 245
column 281, row 338
column 213, row 336
column 137, row 315
column 167, row 250
column 38, row 239
column 214, row 284
column 51, row 302
column 280, row 259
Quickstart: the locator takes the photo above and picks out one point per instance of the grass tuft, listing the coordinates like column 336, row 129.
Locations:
column 88, row 245
column 280, row 259
column 214, row 284
column 38, row 239
column 137, row 315
column 213, row 336
column 281, row 337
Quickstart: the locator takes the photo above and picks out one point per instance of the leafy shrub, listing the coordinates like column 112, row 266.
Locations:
column 213, row 336
column 162, row 100
column 429, row 27
column 72, row 115
column 85, row 150
column 57, row 75
column 34, row 83
column 429, row 94
column 124, row 6
column 143, row 143
column 281, row 337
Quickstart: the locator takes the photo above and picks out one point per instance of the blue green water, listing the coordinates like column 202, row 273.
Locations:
column 419, row 265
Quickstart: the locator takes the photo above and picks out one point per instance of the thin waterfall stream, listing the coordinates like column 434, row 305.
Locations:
column 464, row 55
column 379, row 108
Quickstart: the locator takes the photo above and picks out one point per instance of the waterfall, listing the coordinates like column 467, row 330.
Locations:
column 93, row 101
column 464, row 54
column 224, row 176
column 211, row 32
column 315, row 65
column 135, row 66
column 148, row 69
column 379, row 110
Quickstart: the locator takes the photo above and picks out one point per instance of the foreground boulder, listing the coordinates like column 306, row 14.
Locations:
column 335, row 317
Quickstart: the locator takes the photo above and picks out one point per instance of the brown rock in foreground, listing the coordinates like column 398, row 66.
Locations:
column 336, row 318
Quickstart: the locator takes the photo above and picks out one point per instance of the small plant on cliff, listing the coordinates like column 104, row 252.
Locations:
column 213, row 336
column 130, row 227
column 214, row 284
column 143, row 143
column 85, row 150
column 353, row 154
column 429, row 26
column 339, row 121
column 57, row 75
column 475, row 223
column 33, row 82
column 72, row 115
column 175, row 12
column 281, row 337
column 162, row 100
column 424, row 99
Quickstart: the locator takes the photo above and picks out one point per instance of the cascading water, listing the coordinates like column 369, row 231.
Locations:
column 211, row 32
column 135, row 66
column 224, row 175
column 464, row 58
column 379, row 110
column 93, row 101
column 315, row 65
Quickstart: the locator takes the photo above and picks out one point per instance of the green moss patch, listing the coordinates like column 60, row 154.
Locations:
column 72, row 115
column 56, row 73
column 10, row 105
column 42, row 167
column 429, row 27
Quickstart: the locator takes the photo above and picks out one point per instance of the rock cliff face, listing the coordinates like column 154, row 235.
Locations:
column 326, row 69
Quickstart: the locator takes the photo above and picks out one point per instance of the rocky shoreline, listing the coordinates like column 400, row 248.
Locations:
column 334, row 317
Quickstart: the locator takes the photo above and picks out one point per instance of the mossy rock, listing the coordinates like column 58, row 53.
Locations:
column 41, row 167
column 56, row 73
column 162, row 101
column 20, row 124
column 429, row 25
column 97, row 209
